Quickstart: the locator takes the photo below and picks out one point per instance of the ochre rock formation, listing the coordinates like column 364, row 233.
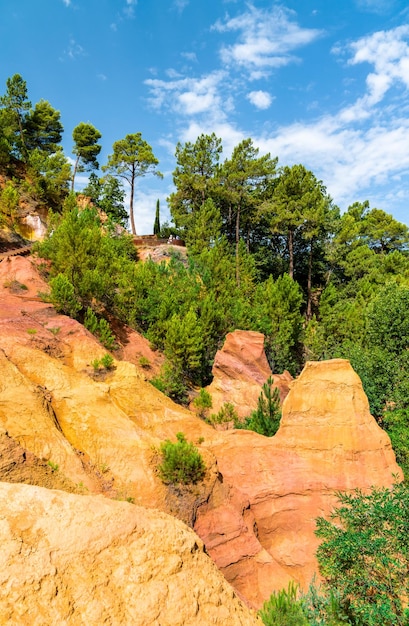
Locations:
column 255, row 511
column 239, row 371
column 259, row 523
column 70, row 559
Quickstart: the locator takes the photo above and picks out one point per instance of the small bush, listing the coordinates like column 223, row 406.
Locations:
column 227, row 413
column 96, row 364
column 105, row 335
column 283, row 608
column 107, row 361
column 203, row 402
column 91, row 321
column 265, row 420
column 100, row 328
column 171, row 382
column 144, row 362
column 54, row 466
column 181, row 462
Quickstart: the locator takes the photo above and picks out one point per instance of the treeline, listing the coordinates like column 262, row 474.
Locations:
column 268, row 250
column 32, row 155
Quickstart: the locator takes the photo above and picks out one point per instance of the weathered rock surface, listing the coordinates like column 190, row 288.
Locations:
column 239, row 371
column 86, row 560
column 259, row 523
column 256, row 509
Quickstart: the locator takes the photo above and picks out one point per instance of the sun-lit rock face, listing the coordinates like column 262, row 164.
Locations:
column 240, row 369
column 259, row 524
column 63, row 426
column 70, row 559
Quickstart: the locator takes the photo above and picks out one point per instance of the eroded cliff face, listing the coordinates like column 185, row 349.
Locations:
column 256, row 509
column 258, row 525
column 240, row 369
column 88, row 560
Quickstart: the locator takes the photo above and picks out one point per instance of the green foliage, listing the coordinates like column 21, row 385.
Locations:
column 43, row 128
column 205, row 228
column 100, row 328
column 156, row 226
column 195, row 178
column 63, row 296
column 108, row 194
column 284, row 608
column 9, row 198
column 396, row 422
column 181, row 462
column 364, row 554
column 172, row 382
column 388, row 319
column 227, row 413
column 203, row 402
column 54, row 466
column 184, row 344
column 106, row 362
column 132, row 157
column 86, row 148
column 265, row 420
column 144, row 362
column 16, row 106
column 93, row 260
column 325, row 607
column 278, row 316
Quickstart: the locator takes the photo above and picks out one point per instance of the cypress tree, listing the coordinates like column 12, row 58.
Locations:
column 156, row 226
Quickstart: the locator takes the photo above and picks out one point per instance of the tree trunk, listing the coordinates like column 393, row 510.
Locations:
column 131, row 205
column 74, row 172
column 291, row 252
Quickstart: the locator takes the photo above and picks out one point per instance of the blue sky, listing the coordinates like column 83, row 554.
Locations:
column 318, row 82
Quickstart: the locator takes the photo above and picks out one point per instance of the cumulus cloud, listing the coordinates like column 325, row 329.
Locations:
column 187, row 96
column 388, row 53
column 260, row 99
column 266, row 39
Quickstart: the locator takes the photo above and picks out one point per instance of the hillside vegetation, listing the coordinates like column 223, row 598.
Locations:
column 268, row 251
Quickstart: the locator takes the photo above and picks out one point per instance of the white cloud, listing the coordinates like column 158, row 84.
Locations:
column 73, row 51
column 375, row 6
column 180, row 5
column 260, row 99
column 189, row 56
column 129, row 9
column 67, row 2
column 266, row 40
column 388, row 53
column 188, row 96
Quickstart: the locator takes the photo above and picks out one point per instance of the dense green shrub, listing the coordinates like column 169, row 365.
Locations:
column 364, row 555
column 203, row 402
column 100, row 328
column 63, row 296
column 265, row 420
column 284, row 608
column 181, row 462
